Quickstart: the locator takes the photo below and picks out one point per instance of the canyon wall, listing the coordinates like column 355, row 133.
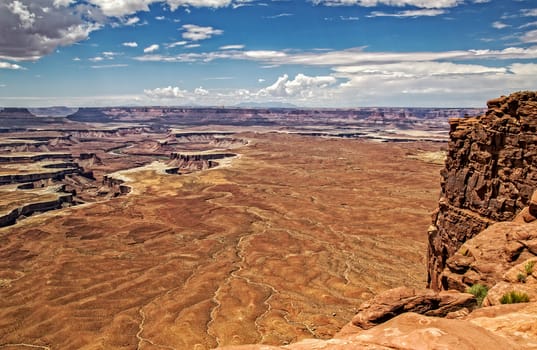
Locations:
column 489, row 176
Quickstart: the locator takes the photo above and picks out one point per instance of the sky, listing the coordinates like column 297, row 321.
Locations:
column 310, row 53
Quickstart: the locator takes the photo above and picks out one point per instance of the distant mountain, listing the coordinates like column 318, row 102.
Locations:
column 266, row 105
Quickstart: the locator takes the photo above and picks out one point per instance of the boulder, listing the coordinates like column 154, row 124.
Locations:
column 396, row 301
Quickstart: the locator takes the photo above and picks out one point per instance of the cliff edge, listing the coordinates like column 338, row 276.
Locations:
column 489, row 176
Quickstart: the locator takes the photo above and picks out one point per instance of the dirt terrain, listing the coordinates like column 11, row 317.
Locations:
column 278, row 244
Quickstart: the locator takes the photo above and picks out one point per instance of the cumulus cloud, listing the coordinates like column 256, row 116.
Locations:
column 302, row 85
column 119, row 8
column 34, row 28
column 130, row 44
column 151, row 48
column 62, row 3
column 201, row 91
column 26, row 17
column 165, row 93
column 174, row 4
column 195, row 33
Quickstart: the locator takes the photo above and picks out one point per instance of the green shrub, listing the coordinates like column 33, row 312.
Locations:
column 479, row 291
column 529, row 267
column 514, row 297
column 521, row 278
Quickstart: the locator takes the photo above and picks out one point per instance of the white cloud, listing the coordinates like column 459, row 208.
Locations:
column 110, row 55
column 499, row 25
column 429, row 4
column 177, row 43
column 151, row 48
column 409, row 13
column 130, row 44
column 417, row 69
column 347, row 57
column 165, row 93
column 529, row 12
column 109, row 66
column 280, row 15
column 160, row 18
column 201, row 91
column 524, row 69
column 529, row 24
column 195, row 33
column 530, row 37
column 76, row 59
column 264, row 54
column 62, row 3
column 26, row 17
column 131, row 21
column 119, row 8
column 232, row 47
column 302, row 85
column 174, row 4
column 7, row 65
column 191, row 46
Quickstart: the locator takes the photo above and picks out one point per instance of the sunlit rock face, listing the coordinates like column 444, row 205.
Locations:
column 489, row 176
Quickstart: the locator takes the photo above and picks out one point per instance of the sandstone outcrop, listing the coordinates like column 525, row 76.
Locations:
column 487, row 257
column 396, row 301
column 489, row 176
column 498, row 327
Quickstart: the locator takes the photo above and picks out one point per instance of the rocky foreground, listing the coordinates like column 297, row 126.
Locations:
column 490, row 176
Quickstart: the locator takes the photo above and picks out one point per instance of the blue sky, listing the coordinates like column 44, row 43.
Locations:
column 312, row 53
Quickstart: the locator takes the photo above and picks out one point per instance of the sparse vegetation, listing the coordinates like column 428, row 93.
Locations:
column 521, row 278
column 479, row 291
column 514, row 297
column 529, row 267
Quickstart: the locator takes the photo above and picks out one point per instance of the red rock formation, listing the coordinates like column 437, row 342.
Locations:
column 490, row 174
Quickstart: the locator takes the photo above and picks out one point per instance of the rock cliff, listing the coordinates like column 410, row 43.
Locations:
column 489, row 176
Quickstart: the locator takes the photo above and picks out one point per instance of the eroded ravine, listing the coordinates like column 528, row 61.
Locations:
column 280, row 246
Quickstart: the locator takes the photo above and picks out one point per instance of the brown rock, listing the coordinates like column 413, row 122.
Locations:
column 515, row 321
column 493, row 252
column 487, row 176
column 395, row 301
column 500, row 289
column 499, row 327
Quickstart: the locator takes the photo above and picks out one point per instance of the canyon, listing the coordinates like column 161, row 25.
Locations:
column 201, row 228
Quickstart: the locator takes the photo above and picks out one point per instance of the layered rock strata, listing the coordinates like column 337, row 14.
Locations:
column 489, row 176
